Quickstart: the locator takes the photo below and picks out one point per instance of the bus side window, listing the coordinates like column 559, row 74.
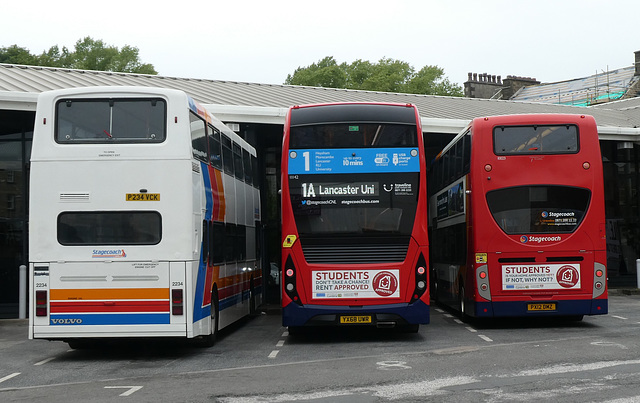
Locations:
column 198, row 137
column 227, row 155
column 215, row 152
column 256, row 173
column 466, row 153
column 237, row 162
column 241, row 240
column 230, row 243
column 248, row 172
column 217, row 243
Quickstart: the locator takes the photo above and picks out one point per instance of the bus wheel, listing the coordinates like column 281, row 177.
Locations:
column 210, row 339
column 463, row 310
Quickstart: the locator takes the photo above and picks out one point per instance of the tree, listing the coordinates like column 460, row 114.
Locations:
column 89, row 54
column 387, row 75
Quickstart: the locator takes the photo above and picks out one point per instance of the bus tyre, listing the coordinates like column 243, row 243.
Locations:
column 210, row 339
column 463, row 309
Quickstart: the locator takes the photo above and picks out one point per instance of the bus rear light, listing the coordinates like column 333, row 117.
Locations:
column 484, row 287
column 599, row 273
column 586, row 165
column 488, row 167
column 483, row 275
column 177, row 302
column 421, row 279
column 290, row 281
column 41, row 303
column 598, row 285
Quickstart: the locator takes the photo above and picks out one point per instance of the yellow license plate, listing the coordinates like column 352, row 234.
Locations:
column 541, row 307
column 143, row 197
column 355, row 319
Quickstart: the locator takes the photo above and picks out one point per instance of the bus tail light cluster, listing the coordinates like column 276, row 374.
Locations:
column 41, row 303
column 177, row 302
column 482, row 281
column 290, row 283
column 421, row 279
column 599, row 279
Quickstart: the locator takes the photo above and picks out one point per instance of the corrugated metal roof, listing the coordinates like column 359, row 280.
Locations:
column 18, row 78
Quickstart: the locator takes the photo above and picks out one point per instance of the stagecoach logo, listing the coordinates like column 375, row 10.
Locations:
column 545, row 214
column 66, row 321
column 568, row 276
column 108, row 253
column 385, row 283
column 540, row 239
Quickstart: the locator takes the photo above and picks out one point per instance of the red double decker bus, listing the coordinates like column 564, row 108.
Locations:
column 517, row 220
column 354, row 217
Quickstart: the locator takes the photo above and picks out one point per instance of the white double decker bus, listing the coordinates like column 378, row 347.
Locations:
column 144, row 212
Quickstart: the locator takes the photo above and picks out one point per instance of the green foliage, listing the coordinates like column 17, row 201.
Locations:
column 89, row 54
column 387, row 75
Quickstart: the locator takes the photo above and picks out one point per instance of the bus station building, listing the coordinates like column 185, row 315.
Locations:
column 257, row 113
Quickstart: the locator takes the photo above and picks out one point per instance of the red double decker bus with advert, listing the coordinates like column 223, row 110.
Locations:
column 517, row 219
column 354, row 217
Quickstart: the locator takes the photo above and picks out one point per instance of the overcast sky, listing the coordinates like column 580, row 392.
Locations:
column 264, row 41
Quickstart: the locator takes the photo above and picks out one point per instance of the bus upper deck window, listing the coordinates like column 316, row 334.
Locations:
column 110, row 120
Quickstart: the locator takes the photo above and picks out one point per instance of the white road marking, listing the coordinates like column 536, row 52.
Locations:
column 285, row 334
column 45, row 361
column 472, row 330
column 274, row 353
column 280, row 343
column 6, row 378
column 566, row 368
column 458, row 321
column 619, row 317
column 485, row 338
column 132, row 389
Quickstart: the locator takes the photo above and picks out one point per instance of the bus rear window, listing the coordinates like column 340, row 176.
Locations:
column 353, row 135
column 110, row 120
column 541, row 139
column 109, row 228
column 538, row 209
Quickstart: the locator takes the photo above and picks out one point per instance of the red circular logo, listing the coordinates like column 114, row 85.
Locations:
column 385, row 283
column 568, row 276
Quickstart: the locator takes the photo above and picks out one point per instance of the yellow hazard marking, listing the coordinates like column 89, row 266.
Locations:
column 289, row 240
column 481, row 258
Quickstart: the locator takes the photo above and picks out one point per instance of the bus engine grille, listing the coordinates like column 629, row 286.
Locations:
column 358, row 253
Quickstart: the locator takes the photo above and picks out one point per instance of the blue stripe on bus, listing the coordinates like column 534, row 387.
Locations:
column 200, row 311
column 563, row 308
column 295, row 315
column 111, row 319
column 354, row 160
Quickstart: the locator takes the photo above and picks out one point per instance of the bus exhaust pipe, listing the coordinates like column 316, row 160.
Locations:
column 386, row 325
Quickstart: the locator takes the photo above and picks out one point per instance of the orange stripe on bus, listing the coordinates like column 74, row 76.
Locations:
column 109, row 293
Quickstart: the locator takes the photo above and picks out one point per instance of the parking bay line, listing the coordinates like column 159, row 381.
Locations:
column 45, row 361
column 6, row 378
